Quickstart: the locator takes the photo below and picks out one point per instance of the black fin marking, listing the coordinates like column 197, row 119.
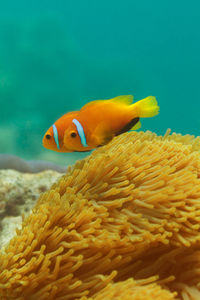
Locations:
column 128, row 126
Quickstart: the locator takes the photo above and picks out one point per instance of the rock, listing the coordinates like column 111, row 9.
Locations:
column 8, row 161
column 19, row 191
column 9, row 225
column 18, row 194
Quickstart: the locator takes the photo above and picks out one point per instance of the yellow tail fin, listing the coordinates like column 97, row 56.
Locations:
column 147, row 107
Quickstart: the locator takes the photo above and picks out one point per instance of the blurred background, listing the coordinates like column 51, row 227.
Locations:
column 55, row 56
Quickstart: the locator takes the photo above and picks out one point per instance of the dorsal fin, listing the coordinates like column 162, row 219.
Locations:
column 90, row 104
column 125, row 99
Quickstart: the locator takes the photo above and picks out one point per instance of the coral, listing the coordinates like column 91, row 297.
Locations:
column 129, row 210
column 132, row 290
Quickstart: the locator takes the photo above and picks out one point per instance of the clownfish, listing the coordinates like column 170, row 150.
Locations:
column 97, row 123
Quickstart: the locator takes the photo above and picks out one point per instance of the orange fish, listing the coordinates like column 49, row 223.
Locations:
column 97, row 123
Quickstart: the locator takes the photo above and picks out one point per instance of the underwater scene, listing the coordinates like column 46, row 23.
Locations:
column 57, row 56
column 99, row 150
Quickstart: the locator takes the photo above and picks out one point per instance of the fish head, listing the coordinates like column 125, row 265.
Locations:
column 52, row 139
column 54, row 136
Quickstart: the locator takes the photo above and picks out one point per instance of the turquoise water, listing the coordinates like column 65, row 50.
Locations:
column 57, row 55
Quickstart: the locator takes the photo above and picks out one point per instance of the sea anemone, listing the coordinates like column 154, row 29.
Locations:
column 128, row 213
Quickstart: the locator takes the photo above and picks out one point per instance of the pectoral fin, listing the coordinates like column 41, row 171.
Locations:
column 101, row 135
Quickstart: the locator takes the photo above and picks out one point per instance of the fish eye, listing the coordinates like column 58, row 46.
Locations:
column 73, row 134
column 48, row 136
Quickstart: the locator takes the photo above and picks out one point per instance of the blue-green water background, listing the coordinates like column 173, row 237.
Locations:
column 57, row 55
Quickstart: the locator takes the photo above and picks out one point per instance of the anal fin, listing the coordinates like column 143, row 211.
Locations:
column 136, row 126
